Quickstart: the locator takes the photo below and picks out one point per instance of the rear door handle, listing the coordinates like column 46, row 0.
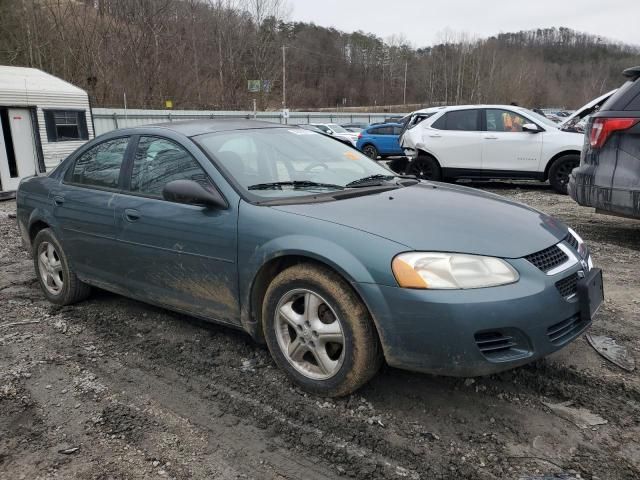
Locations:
column 435, row 135
column 58, row 199
column 491, row 137
column 131, row 214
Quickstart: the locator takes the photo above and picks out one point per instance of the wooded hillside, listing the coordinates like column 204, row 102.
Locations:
column 202, row 53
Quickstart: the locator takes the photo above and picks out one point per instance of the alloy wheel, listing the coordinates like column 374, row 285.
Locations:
column 50, row 268
column 309, row 334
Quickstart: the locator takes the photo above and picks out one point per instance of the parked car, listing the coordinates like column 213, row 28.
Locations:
column 489, row 141
column 313, row 128
column 380, row 140
column 337, row 131
column 312, row 248
column 355, row 127
column 608, row 177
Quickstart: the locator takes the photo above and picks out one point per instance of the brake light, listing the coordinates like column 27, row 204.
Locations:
column 602, row 128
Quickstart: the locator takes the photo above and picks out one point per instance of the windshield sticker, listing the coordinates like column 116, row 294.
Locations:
column 302, row 131
column 351, row 155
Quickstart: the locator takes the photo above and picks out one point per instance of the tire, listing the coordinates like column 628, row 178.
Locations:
column 425, row 167
column 561, row 170
column 56, row 277
column 304, row 305
column 370, row 151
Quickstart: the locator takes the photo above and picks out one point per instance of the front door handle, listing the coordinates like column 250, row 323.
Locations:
column 131, row 215
column 491, row 137
column 435, row 135
column 58, row 199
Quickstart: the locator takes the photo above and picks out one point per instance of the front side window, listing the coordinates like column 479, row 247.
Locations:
column 100, row 165
column 465, row 120
column 66, row 125
column 260, row 160
column 504, row 121
column 159, row 161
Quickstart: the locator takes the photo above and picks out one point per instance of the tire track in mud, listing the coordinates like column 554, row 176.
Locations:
column 348, row 442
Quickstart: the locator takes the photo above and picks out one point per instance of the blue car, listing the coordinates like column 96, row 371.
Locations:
column 311, row 248
column 380, row 140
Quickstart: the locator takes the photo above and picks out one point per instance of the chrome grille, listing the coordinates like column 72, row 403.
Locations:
column 548, row 259
column 571, row 240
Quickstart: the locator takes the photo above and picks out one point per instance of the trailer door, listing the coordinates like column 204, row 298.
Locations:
column 18, row 156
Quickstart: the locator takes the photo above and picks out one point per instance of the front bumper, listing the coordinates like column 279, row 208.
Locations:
column 475, row 332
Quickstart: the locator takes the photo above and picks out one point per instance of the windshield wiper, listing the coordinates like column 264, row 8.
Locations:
column 370, row 181
column 294, row 183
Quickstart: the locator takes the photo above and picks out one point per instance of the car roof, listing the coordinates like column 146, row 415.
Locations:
column 387, row 124
column 465, row 107
column 191, row 128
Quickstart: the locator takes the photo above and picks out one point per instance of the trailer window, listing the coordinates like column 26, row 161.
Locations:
column 66, row 125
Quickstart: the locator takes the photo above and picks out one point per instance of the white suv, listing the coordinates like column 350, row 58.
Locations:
column 489, row 141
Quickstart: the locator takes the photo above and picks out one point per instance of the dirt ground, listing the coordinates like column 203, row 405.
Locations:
column 112, row 388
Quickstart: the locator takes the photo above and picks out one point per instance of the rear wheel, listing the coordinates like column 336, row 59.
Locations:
column 370, row 151
column 57, row 279
column 425, row 167
column 319, row 332
column 561, row 170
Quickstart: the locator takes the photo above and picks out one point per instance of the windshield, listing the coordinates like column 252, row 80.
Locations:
column 307, row 162
column 542, row 119
column 337, row 128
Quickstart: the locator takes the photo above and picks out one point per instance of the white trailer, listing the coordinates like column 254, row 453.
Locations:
column 42, row 120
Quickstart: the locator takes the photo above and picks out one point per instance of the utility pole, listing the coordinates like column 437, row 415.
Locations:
column 404, row 96
column 284, row 77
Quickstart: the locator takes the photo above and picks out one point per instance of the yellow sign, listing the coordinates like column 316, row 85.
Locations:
column 168, row 103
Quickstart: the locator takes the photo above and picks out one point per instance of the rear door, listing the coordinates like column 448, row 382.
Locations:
column 173, row 254
column 84, row 208
column 456, row 140
column 505, row 146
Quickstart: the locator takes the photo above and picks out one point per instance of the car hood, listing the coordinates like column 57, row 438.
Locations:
column 439, row 217
column 586, row 109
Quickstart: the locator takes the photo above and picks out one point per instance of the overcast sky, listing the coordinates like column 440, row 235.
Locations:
column 423, row 21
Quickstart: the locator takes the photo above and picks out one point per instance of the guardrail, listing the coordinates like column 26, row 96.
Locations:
column 107, row 119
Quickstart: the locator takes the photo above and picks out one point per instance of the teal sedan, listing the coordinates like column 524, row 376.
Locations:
column 333, row 261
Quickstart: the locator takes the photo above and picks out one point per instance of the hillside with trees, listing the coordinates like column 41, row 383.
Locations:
column 202, row 53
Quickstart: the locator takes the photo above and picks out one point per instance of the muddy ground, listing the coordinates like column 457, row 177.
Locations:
column 112, row 388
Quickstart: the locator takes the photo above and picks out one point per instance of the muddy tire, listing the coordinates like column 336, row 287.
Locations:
column 425, row 167
column 561, row 170
column 56, row 277
column 370, row 151
column 319, row 332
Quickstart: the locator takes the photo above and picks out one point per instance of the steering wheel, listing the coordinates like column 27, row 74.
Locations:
column 317, row 164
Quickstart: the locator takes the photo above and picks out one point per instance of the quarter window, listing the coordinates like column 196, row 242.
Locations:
column 100, row 165
column 66, row 125
column 466, row 120
column 159, row 161
column 504, row 121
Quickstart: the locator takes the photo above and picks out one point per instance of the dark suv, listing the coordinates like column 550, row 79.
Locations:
column 608, row 177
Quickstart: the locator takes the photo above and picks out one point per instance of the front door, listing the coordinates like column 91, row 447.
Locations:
column 506, row 147
column 173, row 254
column 18, row 157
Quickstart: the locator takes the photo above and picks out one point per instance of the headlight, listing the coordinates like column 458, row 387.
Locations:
column 435, row 270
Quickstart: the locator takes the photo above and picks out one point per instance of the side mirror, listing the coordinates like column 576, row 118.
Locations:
column 530, row 127
column 192, row 193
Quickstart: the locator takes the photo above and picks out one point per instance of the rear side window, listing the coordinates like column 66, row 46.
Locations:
column 159, row 161
column 100, row 165
column 465, row 120
column 616, row 101
column 381, row 131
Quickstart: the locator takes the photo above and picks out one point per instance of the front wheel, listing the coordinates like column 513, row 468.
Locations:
column 561, row 170
column 425, row 167
column 319, row 332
